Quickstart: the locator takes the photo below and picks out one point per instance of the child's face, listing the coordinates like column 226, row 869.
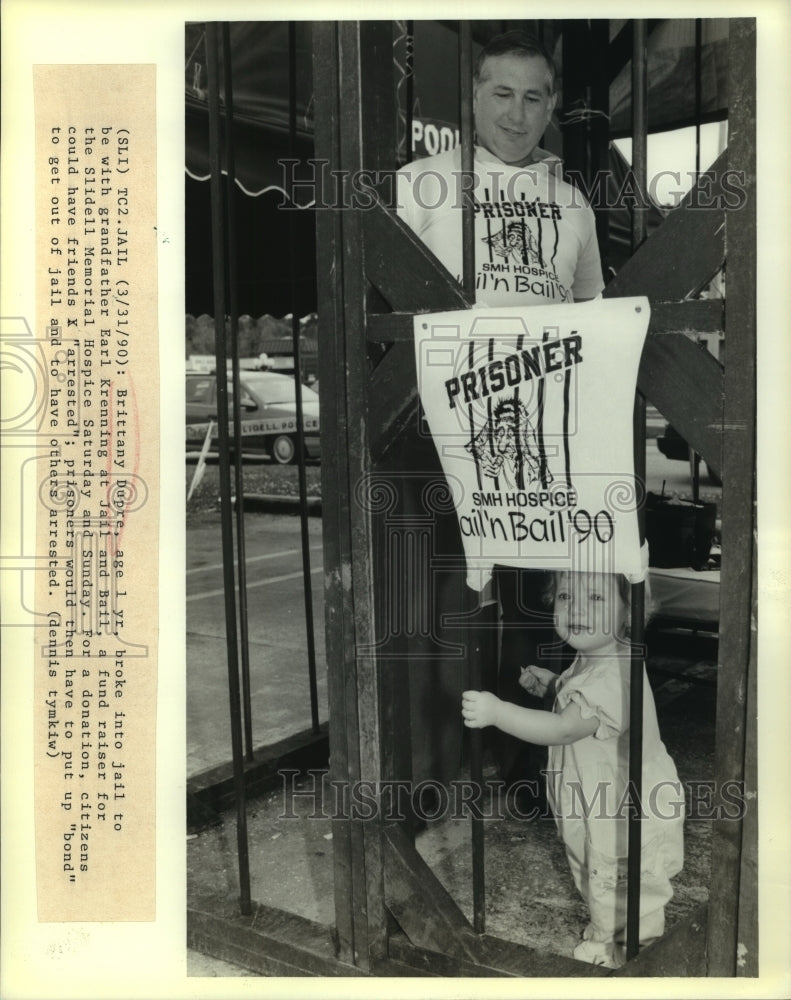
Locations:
column 589, row 612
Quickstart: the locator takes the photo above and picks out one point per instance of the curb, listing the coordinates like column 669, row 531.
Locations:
column 212, row 791
column 272, row 502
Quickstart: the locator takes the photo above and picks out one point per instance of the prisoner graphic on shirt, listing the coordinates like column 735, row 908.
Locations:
column 535, row 237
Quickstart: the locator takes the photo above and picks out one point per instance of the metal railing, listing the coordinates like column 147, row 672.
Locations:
column 219, row 256
column 224, row 263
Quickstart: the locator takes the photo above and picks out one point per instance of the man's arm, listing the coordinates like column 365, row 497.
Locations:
column 588, row 281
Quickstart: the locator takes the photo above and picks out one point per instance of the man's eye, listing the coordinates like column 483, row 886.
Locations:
column 563, row 596
column 596, row 597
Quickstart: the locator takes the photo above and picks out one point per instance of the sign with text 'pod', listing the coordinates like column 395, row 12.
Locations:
column 531, row 412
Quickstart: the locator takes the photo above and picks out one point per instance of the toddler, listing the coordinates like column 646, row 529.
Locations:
column 587, row 733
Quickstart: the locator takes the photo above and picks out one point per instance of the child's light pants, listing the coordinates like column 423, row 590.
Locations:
column 602, row 881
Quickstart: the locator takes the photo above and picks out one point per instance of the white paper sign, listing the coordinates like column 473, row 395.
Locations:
column 531, row 413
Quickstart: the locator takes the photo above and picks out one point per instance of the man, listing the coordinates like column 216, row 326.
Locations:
column 535, row 243
column 535, row 238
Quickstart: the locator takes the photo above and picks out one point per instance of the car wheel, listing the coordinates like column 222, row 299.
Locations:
column 283, row 449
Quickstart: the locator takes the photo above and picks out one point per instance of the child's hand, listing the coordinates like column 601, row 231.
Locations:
column 536, row 680
column 479, row 709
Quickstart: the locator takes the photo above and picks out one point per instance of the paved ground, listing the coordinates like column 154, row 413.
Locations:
column 277, row 634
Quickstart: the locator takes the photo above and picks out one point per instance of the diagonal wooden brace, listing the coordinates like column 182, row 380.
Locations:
column 681, row 257
column 419, row 903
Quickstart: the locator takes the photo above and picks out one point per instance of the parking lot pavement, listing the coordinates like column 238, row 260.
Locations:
column 276, row 630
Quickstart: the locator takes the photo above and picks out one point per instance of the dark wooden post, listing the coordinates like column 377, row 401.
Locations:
column 348, row 847
column 639, row 166
column 575, row 80
column 355, row 129
column 394, row 535
column 732, row 931
column 600, row 126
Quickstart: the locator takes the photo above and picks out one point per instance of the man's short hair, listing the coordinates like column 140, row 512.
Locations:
column 517, row 43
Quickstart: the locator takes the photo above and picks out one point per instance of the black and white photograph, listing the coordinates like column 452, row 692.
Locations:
column 429, row 770
column 394, row 548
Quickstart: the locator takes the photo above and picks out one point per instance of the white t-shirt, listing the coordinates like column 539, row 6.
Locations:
column 535, row 236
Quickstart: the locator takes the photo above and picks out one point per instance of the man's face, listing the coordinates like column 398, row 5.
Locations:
column 512, row 105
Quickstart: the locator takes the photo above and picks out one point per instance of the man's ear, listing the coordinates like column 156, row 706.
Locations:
column 552, row 102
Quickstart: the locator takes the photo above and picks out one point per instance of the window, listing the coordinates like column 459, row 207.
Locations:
column 199, row 390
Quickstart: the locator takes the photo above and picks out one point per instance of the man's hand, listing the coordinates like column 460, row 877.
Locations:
column 536, row 680
column 479, row 709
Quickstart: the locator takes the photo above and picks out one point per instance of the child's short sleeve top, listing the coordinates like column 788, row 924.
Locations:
column 602, row 691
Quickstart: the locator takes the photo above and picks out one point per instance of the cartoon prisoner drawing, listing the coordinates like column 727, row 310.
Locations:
column 517, row 242
column 506, row 447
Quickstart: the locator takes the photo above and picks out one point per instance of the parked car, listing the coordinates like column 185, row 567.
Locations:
column 268, row 414
column 672, row 445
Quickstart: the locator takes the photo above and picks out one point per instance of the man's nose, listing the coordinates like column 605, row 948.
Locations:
column 516, row 112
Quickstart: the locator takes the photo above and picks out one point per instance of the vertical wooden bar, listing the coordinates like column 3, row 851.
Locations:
column 639, row 128
column 238, row 462
column 635, row 761
column 747, row 961
column 344, row 766
column 600, row 127
column 576, row 75
column 732, row 929
column 698, row 88
column 694, row 457
column 345, row 109
column 353, row 99
column 468, row 282
column 639, row 166
column 467, row 156
column 394, row 558
column 218, row 251
column 636, row 679
column 409, row 68
column 307, row 584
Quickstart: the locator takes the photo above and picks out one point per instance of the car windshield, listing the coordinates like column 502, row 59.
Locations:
column 276, row 389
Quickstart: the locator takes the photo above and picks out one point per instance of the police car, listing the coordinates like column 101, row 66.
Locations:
column 268, row 414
